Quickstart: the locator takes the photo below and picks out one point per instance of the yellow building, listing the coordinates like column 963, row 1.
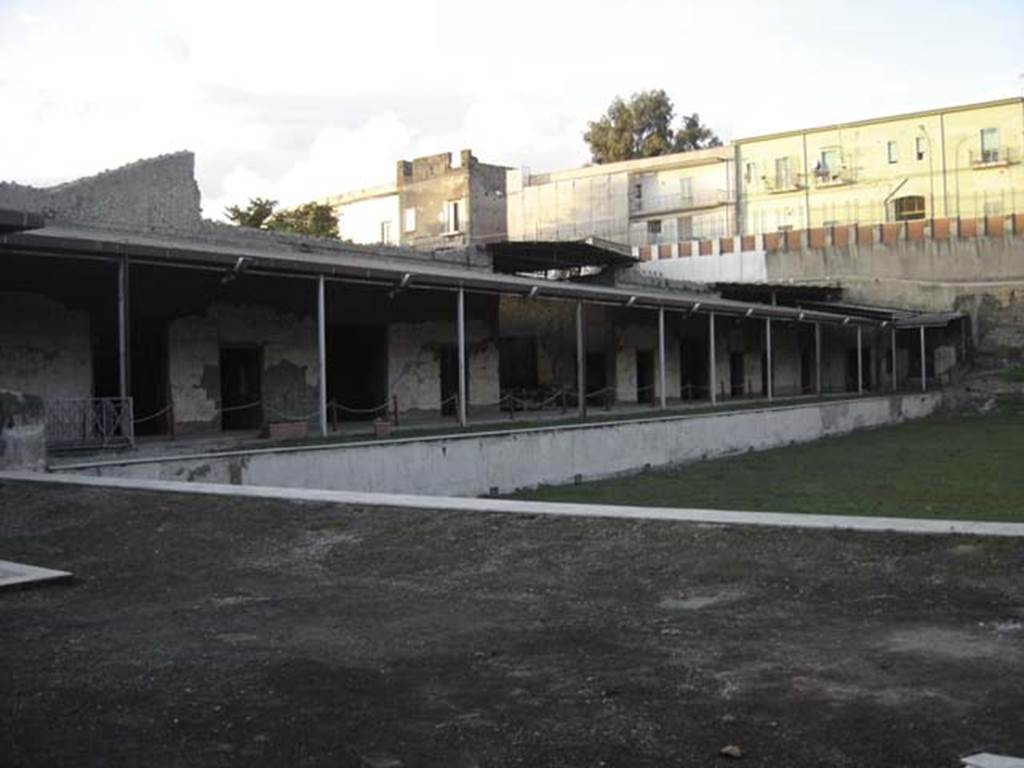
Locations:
column 961, row 161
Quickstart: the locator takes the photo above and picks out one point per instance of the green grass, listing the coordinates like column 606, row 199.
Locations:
column 1014, row 374
column 967, row 467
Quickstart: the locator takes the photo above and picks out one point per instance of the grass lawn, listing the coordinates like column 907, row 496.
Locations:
column 956, row 467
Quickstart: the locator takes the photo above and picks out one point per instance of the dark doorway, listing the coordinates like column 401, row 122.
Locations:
column 240, row 388
column 694, row 378
column 150, row 384
column 764, row 374
column 450, row 379
column 851, row 368
column 597, row 372
column 806, row 372
column 645, row 376
column 517, row 364
column 736, row 388
column 357, row 371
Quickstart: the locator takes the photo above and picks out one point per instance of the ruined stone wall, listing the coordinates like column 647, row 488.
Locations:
column 288, row 343
column 45, row 348
column 487, row 203
column 156, row 193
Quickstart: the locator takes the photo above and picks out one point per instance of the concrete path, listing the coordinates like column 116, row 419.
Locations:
column 503, row 506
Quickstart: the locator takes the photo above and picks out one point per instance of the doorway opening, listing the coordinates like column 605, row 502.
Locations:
column 450, row 379
column 240, row 388
column 645, row 376
column 736, row 388
column 357, row 371
column 150, row 381
column 694, row 379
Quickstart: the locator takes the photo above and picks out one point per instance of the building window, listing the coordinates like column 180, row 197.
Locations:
column 892, row 152
column 989, row 145
column 684, row 227
column 453, row 216
column 908, row 208
column 921, row 144
column 783, row 173
column 385, row 232
column 654, row 227
column 638, row 191
column 409, row 220
column 750, row 173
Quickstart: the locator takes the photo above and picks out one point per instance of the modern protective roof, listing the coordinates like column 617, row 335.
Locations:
column 514, row 256
column 225, row 248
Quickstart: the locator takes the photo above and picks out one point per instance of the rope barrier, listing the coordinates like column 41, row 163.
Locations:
column 152, row 416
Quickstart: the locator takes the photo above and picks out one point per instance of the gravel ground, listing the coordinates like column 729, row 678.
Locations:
column 210, row 631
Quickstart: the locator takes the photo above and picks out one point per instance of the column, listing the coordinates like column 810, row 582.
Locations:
column 122, row 328
column 712, row 373
column 321, row 349
column 924, row 369
column 860, row 363
column 461, row 322
column 817, row 358
column 768, row 355
column 661, row 356
column 895, row 379
column 581, row 362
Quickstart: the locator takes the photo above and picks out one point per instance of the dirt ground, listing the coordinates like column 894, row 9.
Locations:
column 203, row 631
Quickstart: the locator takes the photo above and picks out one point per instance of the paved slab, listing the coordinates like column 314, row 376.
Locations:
column 505, row 506
column 988, row 760
column 21, row 575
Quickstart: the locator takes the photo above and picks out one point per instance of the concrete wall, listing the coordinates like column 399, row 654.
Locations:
column 159, row 192
column 474, row 464
column 488, row 220
column 45, row 347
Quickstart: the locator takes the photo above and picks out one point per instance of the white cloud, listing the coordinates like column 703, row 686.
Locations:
column 300, row 100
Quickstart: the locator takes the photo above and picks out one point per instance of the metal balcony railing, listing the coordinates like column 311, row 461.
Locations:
column 703, row 198
column 995, row 156
column 788, row 183
column 833, row 177
column 90, row 422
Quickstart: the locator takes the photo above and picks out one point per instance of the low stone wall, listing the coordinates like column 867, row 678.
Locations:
column 476, row 464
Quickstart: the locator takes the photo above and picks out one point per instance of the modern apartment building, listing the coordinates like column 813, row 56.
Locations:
column 638, row 202
column 960, row 161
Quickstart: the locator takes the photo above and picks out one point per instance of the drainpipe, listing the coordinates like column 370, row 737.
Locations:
column 942, row 144
column 807, row 188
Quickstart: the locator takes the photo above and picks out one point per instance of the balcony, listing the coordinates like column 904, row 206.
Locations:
column 833, row 177
column 793, row 182
column 704, row 198
column 995, row 157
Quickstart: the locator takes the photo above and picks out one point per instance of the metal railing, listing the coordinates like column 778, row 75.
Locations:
column 90, row 422
column 703, row 198
column 980, row 158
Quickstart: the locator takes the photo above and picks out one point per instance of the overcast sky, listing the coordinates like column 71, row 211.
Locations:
column 295, row 100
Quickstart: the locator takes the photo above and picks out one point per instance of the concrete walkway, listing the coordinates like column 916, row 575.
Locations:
column 504, row 506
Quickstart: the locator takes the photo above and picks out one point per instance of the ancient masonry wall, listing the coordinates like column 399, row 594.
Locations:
column 45, row 347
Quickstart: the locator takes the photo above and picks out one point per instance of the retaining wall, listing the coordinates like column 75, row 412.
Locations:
column 476, row 464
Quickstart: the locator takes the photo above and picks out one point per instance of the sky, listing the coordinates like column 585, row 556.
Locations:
column 297, row 100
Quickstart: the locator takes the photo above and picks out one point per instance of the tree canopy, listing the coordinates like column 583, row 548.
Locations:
column 642, row 127
column 309, row 219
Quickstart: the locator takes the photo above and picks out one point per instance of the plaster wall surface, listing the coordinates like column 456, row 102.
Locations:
column 474, row 464
column 45, row 347
column 370, row 220
column 288, row 349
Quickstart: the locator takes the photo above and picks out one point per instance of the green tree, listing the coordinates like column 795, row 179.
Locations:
column 309, row 219
column 642, row 127
column 255, row 214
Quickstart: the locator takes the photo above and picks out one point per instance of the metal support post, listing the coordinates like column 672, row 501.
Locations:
column 122, row 328
column 462, row 356
column 661, row 356
column 581, row 362
column 860, row 363
column 895, row 377
column 817, row 358
column 768, row 340
column 924, row 369
column 321, row 348
column 712, row 374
